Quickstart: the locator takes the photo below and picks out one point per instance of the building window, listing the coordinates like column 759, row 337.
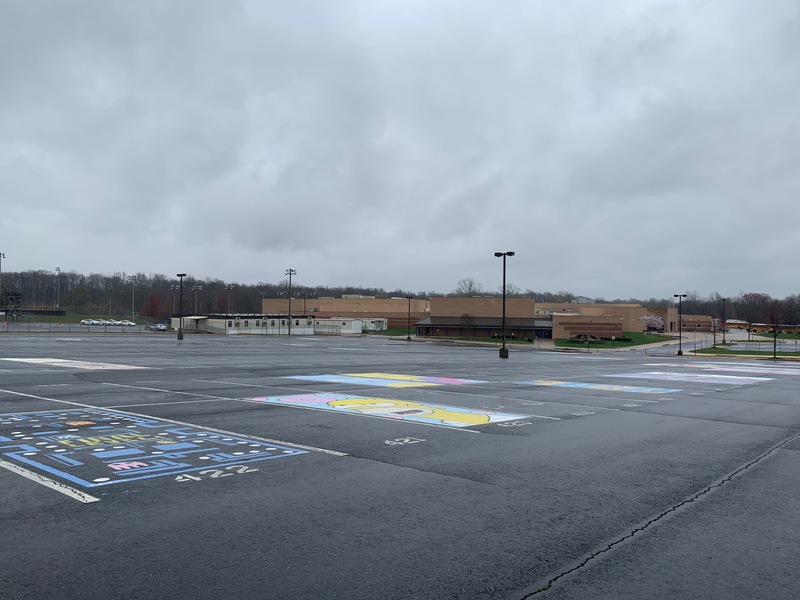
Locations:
column 283, row 321
column 246, row 323
column 258, row 323
column 230, row 323
column 272, row 323
column 297, row 321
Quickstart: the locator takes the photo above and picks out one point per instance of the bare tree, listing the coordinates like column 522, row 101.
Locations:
column 468, row 287
column 468, row 322
column 775, row 311
column 753, row 308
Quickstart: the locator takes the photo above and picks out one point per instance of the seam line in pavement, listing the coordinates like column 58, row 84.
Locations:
column 655, row 520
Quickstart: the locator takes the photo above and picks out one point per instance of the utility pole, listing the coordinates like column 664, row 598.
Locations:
column 290, row 272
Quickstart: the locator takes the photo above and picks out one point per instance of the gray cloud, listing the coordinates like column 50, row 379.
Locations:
column 620, row 148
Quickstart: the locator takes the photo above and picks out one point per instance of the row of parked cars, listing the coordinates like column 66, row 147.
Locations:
column 123, row 323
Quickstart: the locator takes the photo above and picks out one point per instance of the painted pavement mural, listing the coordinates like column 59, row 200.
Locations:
column 419, row 412
column 387, row 380
column 94, row 447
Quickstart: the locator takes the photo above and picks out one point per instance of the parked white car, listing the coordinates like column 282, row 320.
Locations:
column 126, row 323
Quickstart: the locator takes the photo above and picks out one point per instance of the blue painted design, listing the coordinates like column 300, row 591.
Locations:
column 600, row 386
column 133, row 448
column 116, row 453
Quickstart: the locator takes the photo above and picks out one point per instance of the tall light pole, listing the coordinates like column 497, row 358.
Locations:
column 724, row 327
column 58, row 287
column 503, row 349
column 408, row 337
column 195, row 289
column 228, row 288
column 290, row 272
column 174, row 288
column 680, row 298
column 2, row 256
column 133, row 279
column 180, row 307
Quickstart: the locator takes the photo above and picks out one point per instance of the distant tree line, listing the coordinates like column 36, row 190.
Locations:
column 155, row 295
column 752, row 307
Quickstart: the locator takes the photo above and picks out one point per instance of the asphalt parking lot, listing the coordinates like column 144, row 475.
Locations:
column 137, row 466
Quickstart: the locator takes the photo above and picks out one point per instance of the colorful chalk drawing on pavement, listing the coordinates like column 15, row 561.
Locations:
column 387, row 380
column 74, row 364
column 401, row 410
column 694, row 377
column 93, row 447
column 600, row 386
column 742, row 368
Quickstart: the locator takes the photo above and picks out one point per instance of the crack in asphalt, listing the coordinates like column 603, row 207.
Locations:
column 654, row 521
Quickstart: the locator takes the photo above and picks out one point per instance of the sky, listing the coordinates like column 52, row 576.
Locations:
column 621, row 149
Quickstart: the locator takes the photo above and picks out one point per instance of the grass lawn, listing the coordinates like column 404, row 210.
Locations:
column 781, row 336
column 634, row 338
column 766, row 352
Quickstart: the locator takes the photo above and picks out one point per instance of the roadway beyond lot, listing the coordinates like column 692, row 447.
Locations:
column 365, row 468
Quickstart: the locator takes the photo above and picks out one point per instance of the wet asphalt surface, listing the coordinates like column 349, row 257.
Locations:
column 612, row 475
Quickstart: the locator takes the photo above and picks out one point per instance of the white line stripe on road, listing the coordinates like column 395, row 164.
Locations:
column 152, row 389
column 47, row 482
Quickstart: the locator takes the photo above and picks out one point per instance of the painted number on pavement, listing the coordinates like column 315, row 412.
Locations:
column 217, row 473
column 403, row 441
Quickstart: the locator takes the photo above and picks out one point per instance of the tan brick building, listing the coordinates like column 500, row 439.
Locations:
column 481, row 316
column 395, row 310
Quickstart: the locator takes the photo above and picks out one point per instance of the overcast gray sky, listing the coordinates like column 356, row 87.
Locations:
column 622, row 148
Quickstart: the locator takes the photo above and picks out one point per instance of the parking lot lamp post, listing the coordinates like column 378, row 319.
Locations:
column 503, row 349
column 2, row 256
column 174, row 288
column 180, row 306
column 680, row 298
column 133, row 279
column 408, row 337
column 228, row 288
column 196, row 288
column 58, row 287
column 290, row 272
column 724, row 326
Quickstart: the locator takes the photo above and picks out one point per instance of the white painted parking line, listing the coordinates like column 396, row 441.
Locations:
column 49, row 483
column 693, row 377
column 165, row 391
column 505, row 398
column 74, row 364
column 737, row 368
